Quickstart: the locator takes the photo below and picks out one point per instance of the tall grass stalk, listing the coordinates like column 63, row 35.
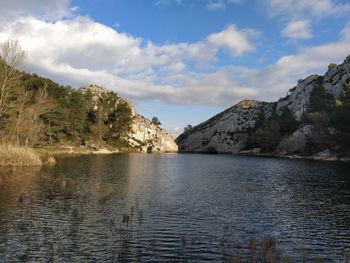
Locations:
column 11, row 155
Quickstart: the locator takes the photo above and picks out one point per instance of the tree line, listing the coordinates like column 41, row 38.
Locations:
column 35, row 111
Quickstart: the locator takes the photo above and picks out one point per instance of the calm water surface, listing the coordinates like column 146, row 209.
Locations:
column 172, row 207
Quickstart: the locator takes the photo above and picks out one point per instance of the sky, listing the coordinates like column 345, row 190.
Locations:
column 180, row 60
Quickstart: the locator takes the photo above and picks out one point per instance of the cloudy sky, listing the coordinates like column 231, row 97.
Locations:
column 180, row 60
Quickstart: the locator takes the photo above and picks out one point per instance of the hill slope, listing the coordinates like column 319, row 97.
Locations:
column 42, row 113
column 314, row 117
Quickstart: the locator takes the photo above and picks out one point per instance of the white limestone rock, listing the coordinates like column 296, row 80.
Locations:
column 227, row 131
column 298, row 100
column 333, row 82
column 98, row 92
column 144, row 134
column 149, row 137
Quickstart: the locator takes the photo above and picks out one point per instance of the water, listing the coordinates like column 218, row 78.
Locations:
column 174, row 208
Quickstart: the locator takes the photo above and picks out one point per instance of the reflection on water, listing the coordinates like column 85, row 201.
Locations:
column 159, row 208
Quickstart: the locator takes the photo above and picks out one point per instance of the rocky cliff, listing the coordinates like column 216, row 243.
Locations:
column 333, row 82
column 148, row 137
column 226, row 131
column 144, row 135
column 240, row 128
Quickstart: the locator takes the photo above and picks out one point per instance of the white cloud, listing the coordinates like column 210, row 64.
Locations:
column 78, row 51
column 161, row 2
column 221, row 4
column 299, row 13
column 167, row 2
column 214, row 5
column 235, row 1
column 51, row 10
column 234, row 40
column 297, row 9
column 278, row 78
column 297, row 29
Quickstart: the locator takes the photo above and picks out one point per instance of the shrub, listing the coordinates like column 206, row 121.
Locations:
column 332, row 65
column 340, row 120
column 156, row 121
column 188, row 128
column 267, row 136
column 18, row 156
column 287, row 122
column 320, row 100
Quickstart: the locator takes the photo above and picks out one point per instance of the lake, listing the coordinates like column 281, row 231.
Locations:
column 174, row 208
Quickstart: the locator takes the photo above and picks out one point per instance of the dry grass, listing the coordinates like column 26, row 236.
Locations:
column 18, row 156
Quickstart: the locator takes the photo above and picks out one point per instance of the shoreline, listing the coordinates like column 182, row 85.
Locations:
column 48, row 154
column 280, row 156
column 72, row 151
column 299, row 157
column 41, row 156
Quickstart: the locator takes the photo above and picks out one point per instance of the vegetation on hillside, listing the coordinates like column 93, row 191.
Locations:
column 329, row 117
column 188, row 128
column 35, row 111
column 156, row 121
column 340, row 119
column 269, row 131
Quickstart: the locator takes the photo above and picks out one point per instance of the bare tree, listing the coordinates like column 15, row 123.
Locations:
column 24, row 96
column 42, row 105
column 29, row 124
column 99, row 129
column 11, row 57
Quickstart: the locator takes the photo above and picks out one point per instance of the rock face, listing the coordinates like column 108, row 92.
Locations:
column 228, row 132
column 149, row 137
column 333, row 82
column 144, row 135
column 298, row 99
column 98, row 92
column 296, row 141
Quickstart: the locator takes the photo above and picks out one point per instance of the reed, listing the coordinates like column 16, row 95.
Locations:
column 11, row 155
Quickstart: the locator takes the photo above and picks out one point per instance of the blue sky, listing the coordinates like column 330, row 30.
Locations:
column 180, row 60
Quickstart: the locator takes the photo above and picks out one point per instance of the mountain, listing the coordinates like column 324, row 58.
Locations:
column 314, row 118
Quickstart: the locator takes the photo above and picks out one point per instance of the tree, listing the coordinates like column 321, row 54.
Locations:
column 287, row 122
column 33, row 125
column 268, row 135
column 99, row 129
column 77, row 114
column 321, row 100
column 156, row 121
column 22, row 102
column 188, row 128
column 121, row 120
column 11, row 57
column 332, row 65
column 340, row 120
column 322, row 137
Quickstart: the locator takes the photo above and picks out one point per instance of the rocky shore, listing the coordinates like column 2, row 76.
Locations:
column 326, row 155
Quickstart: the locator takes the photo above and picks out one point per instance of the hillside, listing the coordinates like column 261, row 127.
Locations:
column 313, row 119
column 44, row 114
